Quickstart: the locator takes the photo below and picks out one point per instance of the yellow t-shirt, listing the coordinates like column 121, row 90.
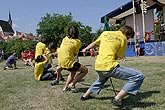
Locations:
column 40, row 49
column 68, row 49
column 38, row 69
column 111, row 44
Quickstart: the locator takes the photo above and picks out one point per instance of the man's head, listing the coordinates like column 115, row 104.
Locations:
column 127, row 31
column 73, row 32
column 14, row 54
column 43, row 40
column 52, row 47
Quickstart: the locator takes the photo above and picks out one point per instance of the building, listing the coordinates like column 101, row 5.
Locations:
column 6, row 30
column 125, row 12
column 6, row 26
column 142, row 19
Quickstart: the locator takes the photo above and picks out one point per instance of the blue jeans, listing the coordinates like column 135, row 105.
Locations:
column 48, row 75
column 135, row 79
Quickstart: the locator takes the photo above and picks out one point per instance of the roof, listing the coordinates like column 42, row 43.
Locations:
column 127, row 9
column 6, row 27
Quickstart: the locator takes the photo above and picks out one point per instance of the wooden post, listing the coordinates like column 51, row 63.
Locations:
column 143, row 18
column 134, row 20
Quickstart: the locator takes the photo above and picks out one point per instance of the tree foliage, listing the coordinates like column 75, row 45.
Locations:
column 16, row 45
column 159, row 14
column 54, row 28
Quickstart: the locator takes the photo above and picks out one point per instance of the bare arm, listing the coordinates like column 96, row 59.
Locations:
column 45, row 57
column 93, row 44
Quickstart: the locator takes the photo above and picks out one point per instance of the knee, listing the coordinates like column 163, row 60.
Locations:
column 85, row 70
column 141, row 77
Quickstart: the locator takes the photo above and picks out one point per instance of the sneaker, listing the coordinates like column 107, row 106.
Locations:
column 5, row 68
column 71, row 88
column 117, row 103
column 66, row 89
column 54, row 82
column 15, row 68
column 61, row 79
column 84, row 98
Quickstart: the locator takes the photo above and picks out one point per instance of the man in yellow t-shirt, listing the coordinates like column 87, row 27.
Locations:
column 40, row 47
column 69, row 48
column 39, row 66
column 67, row 51
column 39, row 72
column 112, row 45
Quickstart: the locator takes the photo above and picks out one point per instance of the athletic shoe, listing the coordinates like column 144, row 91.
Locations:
column 5, row 68
column 71, row 88
column 61, row 79
column 117, row 103
column 66, row 89
column 84, row 98
column 54, row 82
column 15, row 68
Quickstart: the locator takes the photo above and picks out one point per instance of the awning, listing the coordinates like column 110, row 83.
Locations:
column 127, row 10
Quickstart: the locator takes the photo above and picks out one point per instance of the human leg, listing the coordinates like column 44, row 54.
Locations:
column 30, row 62
column 72, row 80
column 58, row 71
column 69, row 79
column 8, row 66
column 15, row 65
column 134, row 78
column 47, row 75
column 97, row 85
column 58, row 76
column 83, row 71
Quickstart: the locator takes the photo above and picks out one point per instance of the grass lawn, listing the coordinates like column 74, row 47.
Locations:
column 20, row 91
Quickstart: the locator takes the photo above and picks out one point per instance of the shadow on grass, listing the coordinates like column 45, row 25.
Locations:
column 134, row 101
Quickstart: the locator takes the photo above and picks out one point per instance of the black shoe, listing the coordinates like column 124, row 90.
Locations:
column 15, row 68
column 54, row 82
column 117, row 103
column 85, row 98
column 5, row 68
column 61, row 79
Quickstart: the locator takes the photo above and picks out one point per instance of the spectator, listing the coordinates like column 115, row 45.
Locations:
column 11, row 60
column 24, row 57
column 30, row 57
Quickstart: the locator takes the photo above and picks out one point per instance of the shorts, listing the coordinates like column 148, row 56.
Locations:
column 76, row 67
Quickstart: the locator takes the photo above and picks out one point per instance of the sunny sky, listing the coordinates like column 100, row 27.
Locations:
column 26, row 14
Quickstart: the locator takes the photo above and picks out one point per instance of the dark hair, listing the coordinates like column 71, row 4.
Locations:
column 52, row 46
column 43, row 40
column 73, row 32
column 127, row 31
column 39, row 58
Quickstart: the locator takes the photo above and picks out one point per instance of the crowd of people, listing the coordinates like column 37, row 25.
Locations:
column 27, row 57
column 112, row 45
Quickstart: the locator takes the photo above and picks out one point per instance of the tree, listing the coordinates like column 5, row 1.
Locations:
column 159, row 13
column 54, row 28
column 16, row 45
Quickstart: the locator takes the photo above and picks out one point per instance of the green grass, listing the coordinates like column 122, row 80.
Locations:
column 20, row 91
